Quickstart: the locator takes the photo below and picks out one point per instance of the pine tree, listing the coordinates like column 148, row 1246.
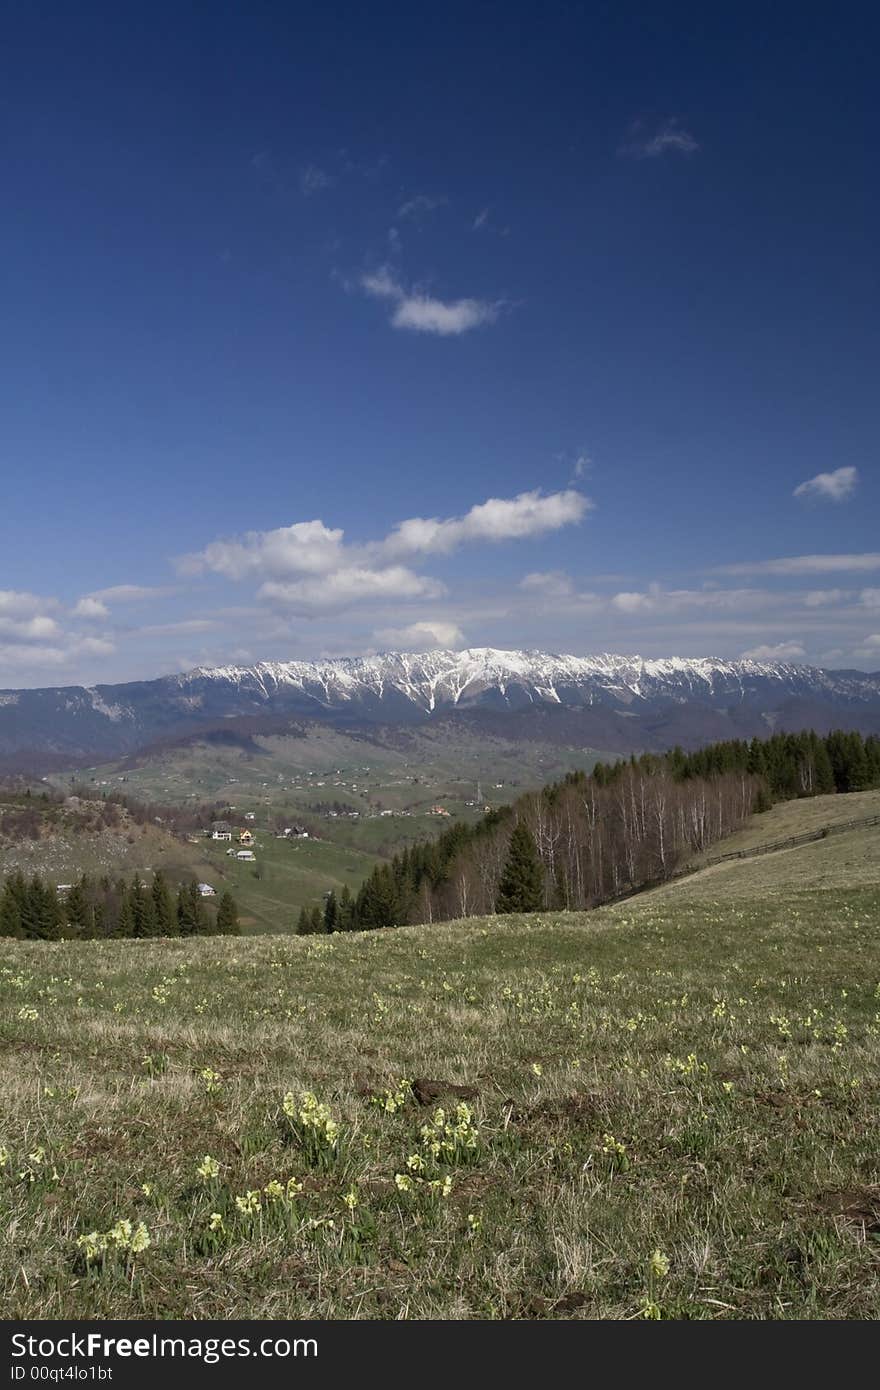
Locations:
column 521, row 887
column 331, row 912
column 187, row 919
column 78, row 910
column 227, row 916
column 345, row 913
column 142, row 909
column 163, row 907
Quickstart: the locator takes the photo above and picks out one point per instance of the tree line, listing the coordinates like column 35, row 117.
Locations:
column 596, row 836
column 99, row 909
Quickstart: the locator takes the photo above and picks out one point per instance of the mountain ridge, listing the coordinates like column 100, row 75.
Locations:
column 643, row 696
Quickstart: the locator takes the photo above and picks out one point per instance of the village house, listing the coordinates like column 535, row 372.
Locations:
column 246, row 855
column 206, row 890
column 221, row 830
column 245, row 837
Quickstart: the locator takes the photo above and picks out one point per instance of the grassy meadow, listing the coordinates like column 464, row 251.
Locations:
column 669, row 1110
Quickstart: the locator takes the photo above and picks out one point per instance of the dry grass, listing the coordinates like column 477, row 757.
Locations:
column 788, row 818
column 695, row 1076
column 847, row 860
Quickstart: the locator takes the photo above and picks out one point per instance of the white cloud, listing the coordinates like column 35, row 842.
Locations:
column 821, row 598
column 806, row 564
column 329, row 593
column 659, row 601
column 423, row 313
column 870, row 598
column 498, row 519
column 833, row 487
column 129, row 593
column 671, row 138
column 308, row 568
column 34, row 629
column 781, row 651
column 306, row 547
column 548, row 584
column 421, row 636
column 16, row 603
column 89, row 607
column 481, row 219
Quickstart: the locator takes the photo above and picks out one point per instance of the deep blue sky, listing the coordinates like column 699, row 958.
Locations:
column 231, row 233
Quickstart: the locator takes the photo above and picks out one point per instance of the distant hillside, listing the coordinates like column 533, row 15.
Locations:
column 594, row 838
column 614, row 702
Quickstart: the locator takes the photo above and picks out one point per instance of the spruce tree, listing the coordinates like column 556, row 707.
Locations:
column 187, row 920
column 163, row 906
column 331, row 912
column 12, row 905
column 227, row 916
column 521, row 887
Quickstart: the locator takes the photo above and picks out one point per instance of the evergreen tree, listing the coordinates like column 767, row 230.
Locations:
column 331, row 912
column 163, row 907
column 187, row 918
column 12, row 905
column 345, row 913
column 143, row 910
column 78, row 910
column 521, row 886
column 43, row 915
column 227, row 916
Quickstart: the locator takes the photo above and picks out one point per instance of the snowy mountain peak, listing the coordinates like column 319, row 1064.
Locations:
column 444, row 679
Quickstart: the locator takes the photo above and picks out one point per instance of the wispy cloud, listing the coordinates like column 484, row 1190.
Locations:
column 420, row 205
column 831, row 487
column 670, row 138
column 348, row 587
column 423, row 313
column 779, row 651
column 806, row 564
column 131, row 593
column 313, row 180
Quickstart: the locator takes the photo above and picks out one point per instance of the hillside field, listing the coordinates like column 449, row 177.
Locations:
column 670, row 1111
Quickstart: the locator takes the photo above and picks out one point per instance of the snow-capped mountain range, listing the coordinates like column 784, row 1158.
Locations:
column 631, row 702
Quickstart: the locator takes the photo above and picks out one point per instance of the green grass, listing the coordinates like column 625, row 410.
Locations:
column 697, row 1077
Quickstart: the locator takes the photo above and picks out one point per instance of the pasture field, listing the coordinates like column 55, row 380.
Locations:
column 670, row 1111
column 799, row 817
column 286, row 875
